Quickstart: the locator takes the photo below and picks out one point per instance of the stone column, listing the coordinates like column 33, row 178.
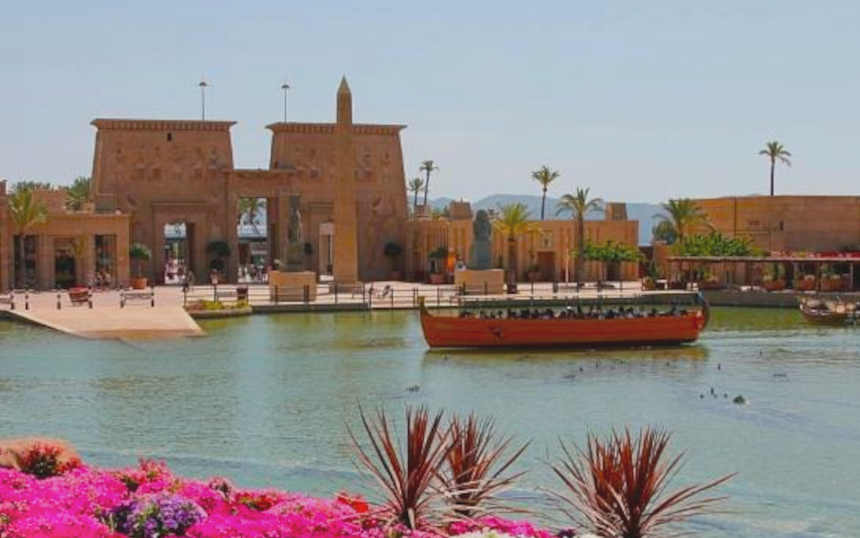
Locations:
column 232, row 237
column 87, row 271
column 45, row 261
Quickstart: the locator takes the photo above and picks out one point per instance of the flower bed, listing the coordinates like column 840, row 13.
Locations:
column 217, row 309
column 149, row 501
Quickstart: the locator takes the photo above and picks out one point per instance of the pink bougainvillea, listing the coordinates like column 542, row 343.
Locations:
column 84, row 502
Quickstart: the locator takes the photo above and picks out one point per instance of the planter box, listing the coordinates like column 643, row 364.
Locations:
column 138, row 283
column 805, row 284
column 832, row 284
column 437, row 278
column 774, row 285
column 223, row 313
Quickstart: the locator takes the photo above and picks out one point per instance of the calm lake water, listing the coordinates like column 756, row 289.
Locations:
column 265, row 400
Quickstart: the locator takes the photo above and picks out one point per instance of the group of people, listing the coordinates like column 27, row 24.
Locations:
column 577, row 312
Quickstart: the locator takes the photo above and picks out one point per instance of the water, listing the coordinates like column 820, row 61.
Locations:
column 265, row 400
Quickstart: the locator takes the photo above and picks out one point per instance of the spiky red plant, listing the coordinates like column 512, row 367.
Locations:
column 474, row 474
column 618, row 485
column 406, row 478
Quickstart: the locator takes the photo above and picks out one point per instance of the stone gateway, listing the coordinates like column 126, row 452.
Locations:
column 343, row 183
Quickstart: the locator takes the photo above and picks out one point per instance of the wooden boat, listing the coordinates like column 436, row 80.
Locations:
column 447, row 331
column 827, row 312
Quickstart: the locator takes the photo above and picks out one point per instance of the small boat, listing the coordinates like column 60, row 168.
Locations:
column 828, row 312
column 465, row 332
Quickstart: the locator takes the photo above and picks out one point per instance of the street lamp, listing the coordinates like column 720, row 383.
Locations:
column 285, row 87
column 203, row 87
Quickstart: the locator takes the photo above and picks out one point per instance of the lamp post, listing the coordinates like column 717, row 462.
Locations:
column 285, row 87
column 203, row 87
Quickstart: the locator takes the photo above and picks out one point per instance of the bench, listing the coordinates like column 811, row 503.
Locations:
column 126, row 296
column 81, row 296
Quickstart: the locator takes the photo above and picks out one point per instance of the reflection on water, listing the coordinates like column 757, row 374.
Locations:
column 265, row 400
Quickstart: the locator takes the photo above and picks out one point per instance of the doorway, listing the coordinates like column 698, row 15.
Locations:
column 64, row 264
column 178, row 257
column 546, row 266
column 252, row 229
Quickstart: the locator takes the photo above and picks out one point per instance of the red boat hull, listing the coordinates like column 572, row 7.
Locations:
column 442, row 331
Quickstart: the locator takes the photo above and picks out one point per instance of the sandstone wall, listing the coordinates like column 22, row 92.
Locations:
column 789, row 223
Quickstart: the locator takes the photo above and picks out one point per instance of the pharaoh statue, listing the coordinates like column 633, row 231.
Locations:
column 480, row 253
column 295, row 236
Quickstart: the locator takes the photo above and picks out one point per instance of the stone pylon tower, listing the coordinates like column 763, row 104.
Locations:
column 345, row 219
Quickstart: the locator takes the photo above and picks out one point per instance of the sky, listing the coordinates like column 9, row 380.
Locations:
column 640, row 101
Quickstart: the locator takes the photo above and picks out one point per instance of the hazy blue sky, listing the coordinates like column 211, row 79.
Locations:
column 639, row 100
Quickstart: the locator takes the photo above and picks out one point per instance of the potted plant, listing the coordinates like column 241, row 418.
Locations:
column 773, row 278
column 220, row 250
column 438, row 275
column 139, row 253
column 805, row 283
column 392, row 251
column 709, row 281
column 533, row 272
column 831, row 282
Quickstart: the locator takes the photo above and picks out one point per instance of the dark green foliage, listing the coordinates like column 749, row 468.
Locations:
column 392, row 249
column 716, row 244
column 439, row 253
column 218, row 248
column 78, row 193
column 665, row 231
column 611, row 252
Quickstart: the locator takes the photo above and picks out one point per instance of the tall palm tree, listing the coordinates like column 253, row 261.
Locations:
column 683, row 215
column 428, row 167
column 775, row 152
column 250, row 208
column 78, row 193
column 544, row 176
column 25, row 212
column 512, row 221
column 579, row 205
column 415, row 185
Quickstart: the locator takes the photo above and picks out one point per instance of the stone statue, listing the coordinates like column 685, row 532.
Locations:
column 295, row 236
column 480, row 253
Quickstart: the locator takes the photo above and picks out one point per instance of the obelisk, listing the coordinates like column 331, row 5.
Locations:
column 345, row 220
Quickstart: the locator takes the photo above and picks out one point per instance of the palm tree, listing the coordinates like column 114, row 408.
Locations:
column 26, row 212
column 544, row 176
column 775, row 152
column 512, row 221
column 428, row 167
column 250, row 208
column 579, row 205
column 415, row 185
column 78, row 193
column 682, row 216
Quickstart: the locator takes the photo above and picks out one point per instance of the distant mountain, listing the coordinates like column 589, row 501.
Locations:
column 642, row 212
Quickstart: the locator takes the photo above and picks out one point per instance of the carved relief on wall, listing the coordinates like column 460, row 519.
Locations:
column 383, row 225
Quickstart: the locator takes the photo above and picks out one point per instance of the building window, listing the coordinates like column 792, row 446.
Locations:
column 170, row 137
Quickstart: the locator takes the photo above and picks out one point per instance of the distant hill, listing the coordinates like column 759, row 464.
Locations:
column 642, row 212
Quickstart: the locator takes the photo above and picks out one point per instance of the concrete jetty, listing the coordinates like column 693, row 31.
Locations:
column 107, row 319
column 119, row 323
